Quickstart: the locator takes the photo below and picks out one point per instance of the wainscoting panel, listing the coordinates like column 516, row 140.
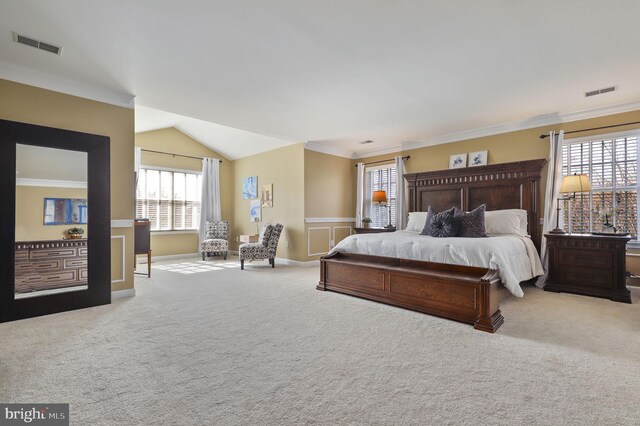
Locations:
column 340, row 233
column 117, row 252
column 318, row 240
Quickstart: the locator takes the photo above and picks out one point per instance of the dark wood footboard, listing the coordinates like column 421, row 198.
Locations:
column 462, row 293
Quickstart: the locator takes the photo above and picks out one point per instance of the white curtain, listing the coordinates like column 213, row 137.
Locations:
column 359, row 194
column 554, row 180
column 137, row 159
column 401, row 196
column 210, row 200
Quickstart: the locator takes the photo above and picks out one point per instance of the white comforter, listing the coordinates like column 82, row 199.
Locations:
column 515, row 258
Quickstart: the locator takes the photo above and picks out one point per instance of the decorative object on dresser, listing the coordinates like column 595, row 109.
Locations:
column 463, row 293
column 366, row 222
column 367, row 230
column 73, row 233
column 572, row 184
column 45, row 265
column 380, row 197
column 142, row 243
column 592, row 265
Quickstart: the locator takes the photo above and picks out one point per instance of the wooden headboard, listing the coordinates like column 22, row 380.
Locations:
column 499, row 186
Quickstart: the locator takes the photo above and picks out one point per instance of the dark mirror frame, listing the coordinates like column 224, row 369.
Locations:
column 99, row 241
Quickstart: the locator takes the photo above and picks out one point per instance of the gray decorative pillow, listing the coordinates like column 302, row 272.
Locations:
column 430, row 214
column 444, row 224
column 471, row 223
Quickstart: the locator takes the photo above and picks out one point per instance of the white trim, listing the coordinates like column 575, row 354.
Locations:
column 309, row 240
column 319, row 147
column 48, row 81
column 122, row 273
column 51, row 183
column 177, row 232
column 122, row 223
column 169, row 169
column 329, row 219
column 633, row 244
column 120, row 294
column 545, row 120
column 168, row 257
column 306, row 264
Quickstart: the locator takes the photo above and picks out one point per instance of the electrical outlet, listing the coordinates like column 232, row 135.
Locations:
column 286, row 243
column 331, row 243
column 237, row 239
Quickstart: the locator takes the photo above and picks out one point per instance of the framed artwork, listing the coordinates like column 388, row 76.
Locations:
column 478, row 158
column 256, row 212
column 458, row 161
column 65, row 211
column 266, row 195
column 250, row 187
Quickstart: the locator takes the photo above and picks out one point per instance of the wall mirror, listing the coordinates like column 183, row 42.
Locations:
column 54, row 251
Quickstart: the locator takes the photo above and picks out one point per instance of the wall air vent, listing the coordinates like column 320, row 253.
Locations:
column 48, row 47
column 365, row 142
column 600, row 91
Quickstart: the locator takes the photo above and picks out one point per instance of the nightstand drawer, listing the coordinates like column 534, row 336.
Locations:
column 594, row 278
column 586, row 258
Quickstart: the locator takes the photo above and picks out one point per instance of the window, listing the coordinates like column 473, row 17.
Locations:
column 170, row 199
column 612, row 165
column 381, row 178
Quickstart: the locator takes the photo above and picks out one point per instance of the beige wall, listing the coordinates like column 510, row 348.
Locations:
column 33, row 105
column 328, row 194
column 174, row 141
column 284, row 168
column 30, row 212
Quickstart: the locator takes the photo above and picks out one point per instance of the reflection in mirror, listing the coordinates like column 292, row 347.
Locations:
column 51, row 227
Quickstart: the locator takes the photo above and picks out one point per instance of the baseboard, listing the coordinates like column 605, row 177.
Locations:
column 290, row 262
column 142, row 259
column 120, row 294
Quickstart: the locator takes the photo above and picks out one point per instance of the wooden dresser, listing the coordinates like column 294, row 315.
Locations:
column 586, row 264
column 44, row 265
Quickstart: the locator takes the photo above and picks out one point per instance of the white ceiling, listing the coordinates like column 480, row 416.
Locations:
column 41, row 163
column 402, row 73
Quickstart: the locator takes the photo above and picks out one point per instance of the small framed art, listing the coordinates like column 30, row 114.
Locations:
column 478, row 158
column 458, row 161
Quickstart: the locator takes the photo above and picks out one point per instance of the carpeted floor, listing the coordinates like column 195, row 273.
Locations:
column 262, row 346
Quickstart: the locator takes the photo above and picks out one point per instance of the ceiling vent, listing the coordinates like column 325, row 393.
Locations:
column 600, row 91
column 365, row 142
column 48, row 47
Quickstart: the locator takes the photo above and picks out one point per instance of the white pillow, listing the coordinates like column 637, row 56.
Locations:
column 511, row 221
column 416, row 221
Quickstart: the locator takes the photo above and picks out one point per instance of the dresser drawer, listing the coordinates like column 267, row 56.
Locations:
column 586, row 278
column 586, row 258
column 55, row 277
column 50, row 253
column 38, row 267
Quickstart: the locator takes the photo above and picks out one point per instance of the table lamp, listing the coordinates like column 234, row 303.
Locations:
column 380, row 197
column 571, row 184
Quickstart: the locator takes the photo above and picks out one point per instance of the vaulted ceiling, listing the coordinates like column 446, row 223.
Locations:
column 334, row 73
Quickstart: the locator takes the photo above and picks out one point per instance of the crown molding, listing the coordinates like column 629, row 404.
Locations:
column 51, row 183
column 47, row 81
column 540, row 121
column 318, row 147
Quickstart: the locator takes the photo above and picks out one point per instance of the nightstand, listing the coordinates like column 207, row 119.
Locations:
column 373, row 230
column 592, row 265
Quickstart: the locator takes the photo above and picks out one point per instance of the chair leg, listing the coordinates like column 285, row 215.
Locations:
column 202, row 255
column 149, row 264
column 273, row 262
column 242, row 264
column 225, row 255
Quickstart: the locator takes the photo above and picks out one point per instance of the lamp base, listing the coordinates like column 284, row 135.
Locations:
column 389, row 226
column 557, row 231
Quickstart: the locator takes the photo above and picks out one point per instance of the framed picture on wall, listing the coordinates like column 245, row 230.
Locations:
column 250, row 187
column 458, row 161
column 255, row 211
column 266, row 195
column 478, row 158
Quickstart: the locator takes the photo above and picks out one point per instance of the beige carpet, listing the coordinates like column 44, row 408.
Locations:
column 262, row 346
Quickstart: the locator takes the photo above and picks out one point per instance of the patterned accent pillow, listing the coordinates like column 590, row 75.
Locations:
column 444, row 224
column 472, row 223
column 430, row 214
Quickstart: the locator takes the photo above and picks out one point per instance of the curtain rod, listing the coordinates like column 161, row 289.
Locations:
column 174, row 155
column 595, row 128
column 406, row 157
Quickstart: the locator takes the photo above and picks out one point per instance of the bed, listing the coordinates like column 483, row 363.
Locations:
column 437, row 286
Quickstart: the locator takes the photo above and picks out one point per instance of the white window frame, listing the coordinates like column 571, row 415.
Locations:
column 366, row 199
column 174, row 170
column 635, row 243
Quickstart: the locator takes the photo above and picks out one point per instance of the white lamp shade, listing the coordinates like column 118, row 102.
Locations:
column 575, row 183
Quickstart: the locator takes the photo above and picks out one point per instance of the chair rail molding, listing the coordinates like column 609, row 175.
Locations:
column 329, row 219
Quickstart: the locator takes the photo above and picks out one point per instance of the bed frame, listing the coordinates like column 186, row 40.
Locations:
column 463, row 293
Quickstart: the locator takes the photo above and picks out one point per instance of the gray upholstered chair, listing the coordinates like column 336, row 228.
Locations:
column 216, row 239
column 265, row 248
